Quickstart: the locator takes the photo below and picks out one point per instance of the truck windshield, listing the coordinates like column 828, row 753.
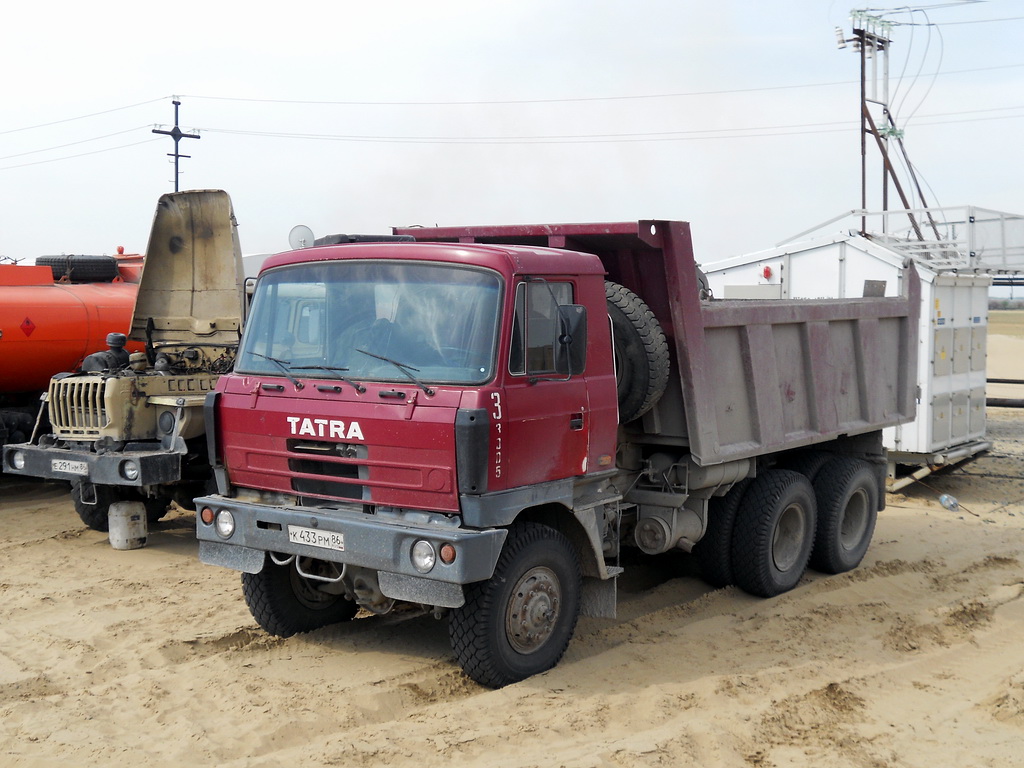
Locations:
column 374, row 321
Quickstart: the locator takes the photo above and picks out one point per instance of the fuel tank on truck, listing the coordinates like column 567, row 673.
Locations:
column 47, row 326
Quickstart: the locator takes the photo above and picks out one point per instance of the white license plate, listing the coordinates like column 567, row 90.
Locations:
column 71, row 467
column 314, row 538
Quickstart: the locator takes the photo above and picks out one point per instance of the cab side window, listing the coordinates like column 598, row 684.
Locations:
column 535, row 326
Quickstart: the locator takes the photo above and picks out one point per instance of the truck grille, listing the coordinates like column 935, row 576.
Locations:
column 77, row 408
column 333, row 478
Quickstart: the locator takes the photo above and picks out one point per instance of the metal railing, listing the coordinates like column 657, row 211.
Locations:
column 958, row 238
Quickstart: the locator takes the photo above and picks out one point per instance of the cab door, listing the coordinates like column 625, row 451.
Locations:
column 547, row 414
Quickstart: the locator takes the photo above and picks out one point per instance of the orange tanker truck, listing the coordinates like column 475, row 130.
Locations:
column 52, row 315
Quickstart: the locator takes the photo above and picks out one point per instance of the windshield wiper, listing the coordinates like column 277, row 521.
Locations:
column 403, row 367
column 336, row 371
column 283, row 365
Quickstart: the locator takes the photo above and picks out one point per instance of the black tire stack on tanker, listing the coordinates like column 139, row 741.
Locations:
column 81, row 268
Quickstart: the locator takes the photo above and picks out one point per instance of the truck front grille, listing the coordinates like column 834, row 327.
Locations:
column 332, row 477
column 76, row 407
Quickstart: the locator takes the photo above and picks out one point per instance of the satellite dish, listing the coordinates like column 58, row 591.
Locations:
column 301, row 236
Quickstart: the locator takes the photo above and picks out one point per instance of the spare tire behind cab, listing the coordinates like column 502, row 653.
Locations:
column 80, row 268
column 641, row 352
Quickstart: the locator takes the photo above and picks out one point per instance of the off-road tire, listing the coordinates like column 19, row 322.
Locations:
column 81, row 268
column 641, row 352
column 156, row 507
column 808, row 462
column 714, row 551
column 773, row 533
column 285, row 603
column 95, row 515
column 536, row 586
column 847, row 491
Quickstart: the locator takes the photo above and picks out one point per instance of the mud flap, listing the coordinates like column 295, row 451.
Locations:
column 598, row 596
column 424, row 591
column 229, row 556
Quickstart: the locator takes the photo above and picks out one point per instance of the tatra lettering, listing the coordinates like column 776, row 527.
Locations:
column 324, row 428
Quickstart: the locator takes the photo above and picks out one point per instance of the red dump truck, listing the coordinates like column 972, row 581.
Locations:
column 479, row 425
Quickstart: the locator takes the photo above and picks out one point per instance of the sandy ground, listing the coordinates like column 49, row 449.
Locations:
column 149, row 658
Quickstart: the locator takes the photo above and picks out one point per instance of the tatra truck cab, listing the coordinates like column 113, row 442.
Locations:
column 130, row 427
column 479, row 424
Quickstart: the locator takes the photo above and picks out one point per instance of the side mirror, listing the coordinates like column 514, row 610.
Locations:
column 571, row 345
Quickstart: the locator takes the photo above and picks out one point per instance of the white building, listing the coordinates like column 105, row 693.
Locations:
column 957, row 252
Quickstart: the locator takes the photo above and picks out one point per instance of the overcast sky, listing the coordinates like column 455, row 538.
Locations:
column 738, row 116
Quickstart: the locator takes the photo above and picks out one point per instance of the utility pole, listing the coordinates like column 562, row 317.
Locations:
column 871, row 42
column 177, row 134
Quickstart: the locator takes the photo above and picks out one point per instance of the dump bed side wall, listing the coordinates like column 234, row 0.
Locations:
column 754, row 377
column 778, row 375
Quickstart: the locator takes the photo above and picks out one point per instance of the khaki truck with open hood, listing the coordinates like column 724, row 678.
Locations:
column 131, row 427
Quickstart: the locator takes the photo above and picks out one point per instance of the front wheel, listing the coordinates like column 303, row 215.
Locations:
column 519, row 622
column 156, row 507
column 95, row 514
column 284, row 602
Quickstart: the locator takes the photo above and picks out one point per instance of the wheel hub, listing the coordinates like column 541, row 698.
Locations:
column 788, row 540
column 855, row 521
column 533, row 610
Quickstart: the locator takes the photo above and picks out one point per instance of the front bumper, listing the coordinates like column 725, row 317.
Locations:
column 380, row 544
column 155, row 466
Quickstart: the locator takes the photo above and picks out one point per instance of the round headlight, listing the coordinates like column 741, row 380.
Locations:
column 130, row 470
column 423, row 557
column 225, row 523
column 166, row 422
column 17, row 460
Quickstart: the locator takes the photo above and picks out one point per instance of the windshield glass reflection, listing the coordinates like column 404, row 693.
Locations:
column 374, row 321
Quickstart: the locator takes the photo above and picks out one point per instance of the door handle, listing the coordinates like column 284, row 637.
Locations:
column 576, row 422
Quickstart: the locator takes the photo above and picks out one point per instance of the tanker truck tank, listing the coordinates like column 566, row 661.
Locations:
column 49, row 324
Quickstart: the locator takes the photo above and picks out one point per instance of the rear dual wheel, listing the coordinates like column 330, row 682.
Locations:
column 847, row 492
column 773, row 533
column 714, row 550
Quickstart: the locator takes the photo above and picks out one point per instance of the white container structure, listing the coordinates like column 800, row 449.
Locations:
column 955, row 278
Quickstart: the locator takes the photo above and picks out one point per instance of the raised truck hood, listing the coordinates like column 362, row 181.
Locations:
column 192, row 287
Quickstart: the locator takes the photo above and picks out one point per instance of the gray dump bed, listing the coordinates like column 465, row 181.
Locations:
column 751, row 377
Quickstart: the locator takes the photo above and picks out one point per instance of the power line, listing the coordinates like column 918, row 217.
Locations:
column 569, row 100
column 83, row 154
column 73, row 143
column 953, row 23
column 702, row 134
column 81, row 117
column 764, row 131
column 498, row 102
column 572, row 100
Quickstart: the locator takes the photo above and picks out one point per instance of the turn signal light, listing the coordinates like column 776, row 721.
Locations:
column 206, row 515
column 447, row 554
